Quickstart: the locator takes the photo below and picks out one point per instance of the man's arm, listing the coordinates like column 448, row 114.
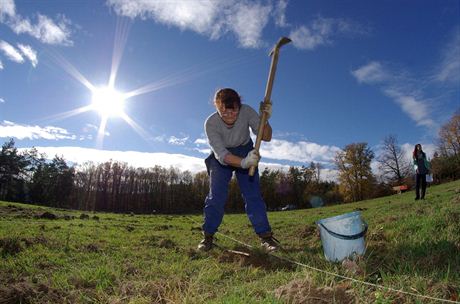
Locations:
column 233, row 160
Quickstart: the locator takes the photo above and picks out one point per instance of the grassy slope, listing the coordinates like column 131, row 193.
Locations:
column 412, row 245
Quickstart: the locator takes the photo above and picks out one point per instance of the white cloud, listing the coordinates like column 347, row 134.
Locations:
column 201, row 141
column 248, row 21
column 399, row 88
column 212, row 18
column 321, row 32
column 2, row 100
column 46, row 30
column 1, row 65
column 90, row 128
column 203, row 150
column 416, row 109
column 372, row 72
column 279, row 13
column 173, row 140
column 7, row 8
column 302, row 151
column 11, row 52
column 30, row 53
column 10, row 129
column 159, row 138
column 449, row 69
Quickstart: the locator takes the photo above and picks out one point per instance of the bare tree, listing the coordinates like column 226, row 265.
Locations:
column 394, row 167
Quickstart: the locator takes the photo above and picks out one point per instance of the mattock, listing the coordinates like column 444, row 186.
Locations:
column 268, row 94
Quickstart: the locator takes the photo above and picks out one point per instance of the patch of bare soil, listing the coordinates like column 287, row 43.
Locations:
column 14, row 245
column 305, row 292
column 166, row 243
column 15, row 211
column 353, row 267
column 26, row 292
column 376, row 235
column 245, row 258
column 308, row 232
column 37, row 213
column 157, row 241
column 163, row 227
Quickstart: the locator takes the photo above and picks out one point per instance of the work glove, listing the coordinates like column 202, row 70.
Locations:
column 252, row 159
column 267, row 108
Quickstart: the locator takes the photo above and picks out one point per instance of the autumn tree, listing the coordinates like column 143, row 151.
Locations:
column 449, row 137
column 446, row 161
column 355, row 173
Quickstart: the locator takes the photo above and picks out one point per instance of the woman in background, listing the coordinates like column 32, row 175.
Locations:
column 422, row 168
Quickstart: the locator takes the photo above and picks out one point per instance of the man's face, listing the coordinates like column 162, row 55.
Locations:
column 228, row 115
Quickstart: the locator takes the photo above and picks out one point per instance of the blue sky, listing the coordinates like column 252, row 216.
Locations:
column 356, row 71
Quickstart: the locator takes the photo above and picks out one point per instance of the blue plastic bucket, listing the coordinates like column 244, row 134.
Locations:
column 342, row 236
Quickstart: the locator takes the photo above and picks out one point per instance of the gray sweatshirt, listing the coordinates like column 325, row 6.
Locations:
column 221, row 137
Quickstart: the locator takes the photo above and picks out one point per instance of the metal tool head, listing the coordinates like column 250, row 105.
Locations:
column 280, row 43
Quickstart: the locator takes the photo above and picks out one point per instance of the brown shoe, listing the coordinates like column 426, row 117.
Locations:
column 206, row 243
column 268, row 242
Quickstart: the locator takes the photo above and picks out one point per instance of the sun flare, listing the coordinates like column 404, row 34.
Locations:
column 108, row 102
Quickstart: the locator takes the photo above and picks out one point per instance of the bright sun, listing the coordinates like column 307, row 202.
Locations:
column 108, row 102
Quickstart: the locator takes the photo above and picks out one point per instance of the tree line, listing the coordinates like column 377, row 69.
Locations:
column 30, row 177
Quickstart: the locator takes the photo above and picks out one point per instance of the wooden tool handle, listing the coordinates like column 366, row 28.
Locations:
column 268, row 94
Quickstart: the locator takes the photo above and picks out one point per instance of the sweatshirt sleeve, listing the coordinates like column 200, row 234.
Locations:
column 215, row 141
column 253, row 119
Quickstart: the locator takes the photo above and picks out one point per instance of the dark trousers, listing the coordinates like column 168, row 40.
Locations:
column 218, row 190
column 420, row 180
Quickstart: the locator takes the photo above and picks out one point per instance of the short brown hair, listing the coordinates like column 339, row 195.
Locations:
column 227, row 97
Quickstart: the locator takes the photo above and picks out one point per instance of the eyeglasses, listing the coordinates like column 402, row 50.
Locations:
column 228, row 111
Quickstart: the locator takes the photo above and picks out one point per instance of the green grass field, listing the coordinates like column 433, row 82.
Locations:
column 65, row 256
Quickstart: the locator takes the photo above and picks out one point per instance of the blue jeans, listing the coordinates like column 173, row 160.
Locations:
column 218, row 190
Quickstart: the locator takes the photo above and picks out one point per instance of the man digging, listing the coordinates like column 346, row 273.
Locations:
column 228, row 135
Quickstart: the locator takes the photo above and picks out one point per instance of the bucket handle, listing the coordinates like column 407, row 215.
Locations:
column 347, row 237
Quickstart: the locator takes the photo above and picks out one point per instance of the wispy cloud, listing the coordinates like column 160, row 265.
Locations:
column 201, row 141
column 7, row 9
column 322, row 31
column 212, row 18
column 243, row 18
column 45, row 29
column 449, row 68
column 1, row 65
column 11, row 52
column 417, row 109
column 9, row 129
column 399, row 88
column 279, row 13
column 373, row 72
column 30, row 53
column 90, row 128
column 2, row 100
column 173, row 140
